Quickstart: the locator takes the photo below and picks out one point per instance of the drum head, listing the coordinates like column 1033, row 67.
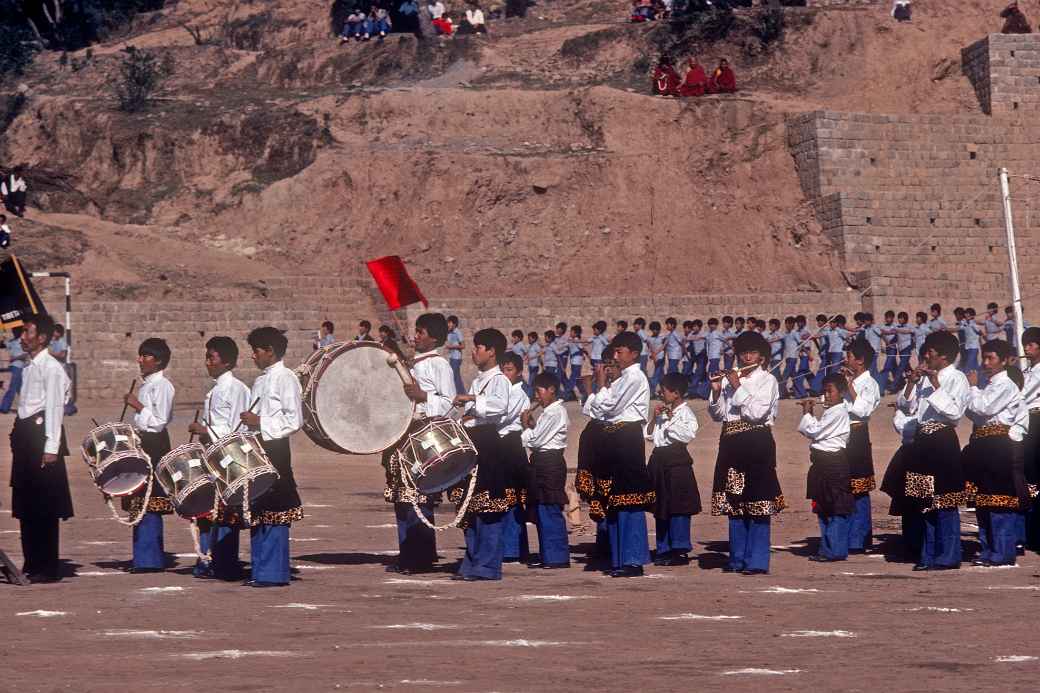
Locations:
column 448, row 471
column 123, row 475
column 359, row 401
column 258, row 486
column 197, row 502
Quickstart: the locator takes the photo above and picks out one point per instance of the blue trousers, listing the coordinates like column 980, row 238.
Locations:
column 483, row 558
column 655, row 379
column 224, row 550
column 727, row 359
column 148, row 542
column 942, row 539
column 532, row 371
column 574, row 381
column 554, row 372
column 553, row 546
column 673, row 365
column 514, row 535
column 834, row 537
column 705, row 386
column 643, row 361
column 629, row 541
column 998, row 535
column 203, row 566
column 12, row 389
column 797, row 379
column 749, row 543
column 673, row 534
column 861, row 534
column 971, row 361
column 888, row 375
column 821, row 373
column 417, row 543
column 269, row 553
column 904, row 365
column 456, row 370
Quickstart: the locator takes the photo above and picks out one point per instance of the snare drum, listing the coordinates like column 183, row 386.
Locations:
column 117, row 462
column 438, row 452
column 353, row 401
column 238, row 460
column 183, row 474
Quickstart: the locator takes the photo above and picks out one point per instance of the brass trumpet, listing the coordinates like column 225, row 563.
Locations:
column 715, row 377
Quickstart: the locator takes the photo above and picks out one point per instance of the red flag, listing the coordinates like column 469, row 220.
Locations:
column 394, row 283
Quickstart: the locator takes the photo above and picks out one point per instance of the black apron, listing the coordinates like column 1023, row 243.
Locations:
column 37, row 492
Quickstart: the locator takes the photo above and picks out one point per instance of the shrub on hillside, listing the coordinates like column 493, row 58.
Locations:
column 140, row 75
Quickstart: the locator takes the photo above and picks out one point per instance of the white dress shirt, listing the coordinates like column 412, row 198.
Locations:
column 1000, row 402
column 45, row 389
column 756, row 401
column 626, row 400
column 680, row 427
column 491, row 391
column 550, row 431
column 280, row 407
column 434, row 376
column 1031, row 391
column 224, row 404
column 830, row 432
column 518, row 402
column 156, row 396
column 868, row 397
column 945, row 405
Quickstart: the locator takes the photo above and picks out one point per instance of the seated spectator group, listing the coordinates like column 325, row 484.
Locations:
column 667, row 82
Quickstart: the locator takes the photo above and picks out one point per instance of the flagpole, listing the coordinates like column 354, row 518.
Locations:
column 1016, row 292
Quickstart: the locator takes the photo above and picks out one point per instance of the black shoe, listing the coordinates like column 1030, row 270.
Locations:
column 816, row 558
column 982, row 563
column 627, row 571
column 859, row 552
column 555, row 566
column 946, row 567
column 398, row 569
column 470, row 578
column 42, row 579
column 142, row 571
column 731, row 569
column 261, row 583
column 755, row 571
column 921, row 567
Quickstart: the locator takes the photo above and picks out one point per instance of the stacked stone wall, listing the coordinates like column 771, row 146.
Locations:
column 1004, row 69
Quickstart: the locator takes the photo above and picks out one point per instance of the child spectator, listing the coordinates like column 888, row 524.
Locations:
column 474, row 22
column 534, row 359
column 353, row 26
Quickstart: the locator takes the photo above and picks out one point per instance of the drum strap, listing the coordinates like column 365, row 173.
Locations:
column 144, row 506
column 409, row 484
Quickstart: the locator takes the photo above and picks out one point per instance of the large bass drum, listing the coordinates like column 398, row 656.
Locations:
column 353, row 399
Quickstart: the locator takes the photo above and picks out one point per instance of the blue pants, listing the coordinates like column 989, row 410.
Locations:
column 417, row 543
column 574, row 383
column 998, row 535
column 797, row 379
column 942, row 539
column 593, row 364
column 514, row 535
column 970, row 363
column 351, row 29
column 532, row 371
column 12, row 389
column 643, row 361
column 861, row 534
column 554, row 372
column 629, row 541
column 224, row 550
column 655, row 379
column 873, row 370
column 888, row 376
column 269, row 553
column 203, row 566
column 673, row 365
column 456, row 369
column 749, row 543
column 673, row 534
column 834, row 537
column 148, row 542
column 828, row 365
column 380, row 25
column 483, row 558
column 705, row 386
column 904, row 365
column 727, row 359
column 553, row 546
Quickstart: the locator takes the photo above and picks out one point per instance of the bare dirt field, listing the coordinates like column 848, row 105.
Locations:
column 864, row 625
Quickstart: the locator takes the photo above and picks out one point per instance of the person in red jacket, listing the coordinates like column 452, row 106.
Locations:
column 723, row 80
column 696, row 81
column 666, row 80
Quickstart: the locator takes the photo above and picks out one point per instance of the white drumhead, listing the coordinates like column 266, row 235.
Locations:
column 360, row 402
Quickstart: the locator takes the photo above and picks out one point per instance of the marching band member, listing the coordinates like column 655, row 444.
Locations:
column 863, row 396
column 745, row 486
column 936, row 394
column 433, row 391
column 1031, row 446
column 39, row 483
column 222, row 414
column 622, row 480
column 827, row 484
column 546, row 493
column 153, row 405
column 494, row 496
column 514, row 523
column 279, row 414
column 590, row 441
column 678, row 499
column 991, row 458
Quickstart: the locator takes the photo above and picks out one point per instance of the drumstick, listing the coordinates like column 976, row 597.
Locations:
column 191, row 438
column 133, row 384
column 251, row 407
column 96, row 424
column 402, row 370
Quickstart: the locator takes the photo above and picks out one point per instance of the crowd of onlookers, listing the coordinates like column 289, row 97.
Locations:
column 378, row 19
column 667, row 82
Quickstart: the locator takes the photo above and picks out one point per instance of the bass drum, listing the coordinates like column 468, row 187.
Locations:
column 353, row 399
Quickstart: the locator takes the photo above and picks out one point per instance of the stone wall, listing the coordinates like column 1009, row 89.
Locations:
column 1004, row 69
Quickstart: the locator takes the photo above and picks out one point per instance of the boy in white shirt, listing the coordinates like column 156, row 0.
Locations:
column 153, row 405
column 678, row 499
column 863, row 396
column 546, row 494
column 514, row 522
column 1031, row 446
column 827, row 484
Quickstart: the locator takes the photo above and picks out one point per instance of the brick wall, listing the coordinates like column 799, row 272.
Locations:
column 1004, row 69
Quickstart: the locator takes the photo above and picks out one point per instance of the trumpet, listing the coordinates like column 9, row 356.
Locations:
column 715, row 377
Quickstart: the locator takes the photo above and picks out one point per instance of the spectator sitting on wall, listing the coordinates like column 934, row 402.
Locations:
column 58, row 347
column 441, row 23
column 901, row 10
column 474, row 21
column 409, row 16
column 5, row 232
column 12, row 191
column 723, row 80
column 696, row 82
column 643, row 11
column 1014, row 21
column 379, row 21
column 666, row 80
column 353, row 26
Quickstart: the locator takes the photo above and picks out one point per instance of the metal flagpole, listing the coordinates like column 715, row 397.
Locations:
column 1016, row 292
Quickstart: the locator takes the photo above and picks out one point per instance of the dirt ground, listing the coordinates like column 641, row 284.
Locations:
column 863, row 625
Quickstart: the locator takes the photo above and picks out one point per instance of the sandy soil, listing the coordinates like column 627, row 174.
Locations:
column 344, row 623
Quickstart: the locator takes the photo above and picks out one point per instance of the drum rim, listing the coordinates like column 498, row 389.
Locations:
column 332, row 352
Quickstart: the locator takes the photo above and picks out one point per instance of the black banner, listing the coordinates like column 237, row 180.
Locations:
column 18, row 298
